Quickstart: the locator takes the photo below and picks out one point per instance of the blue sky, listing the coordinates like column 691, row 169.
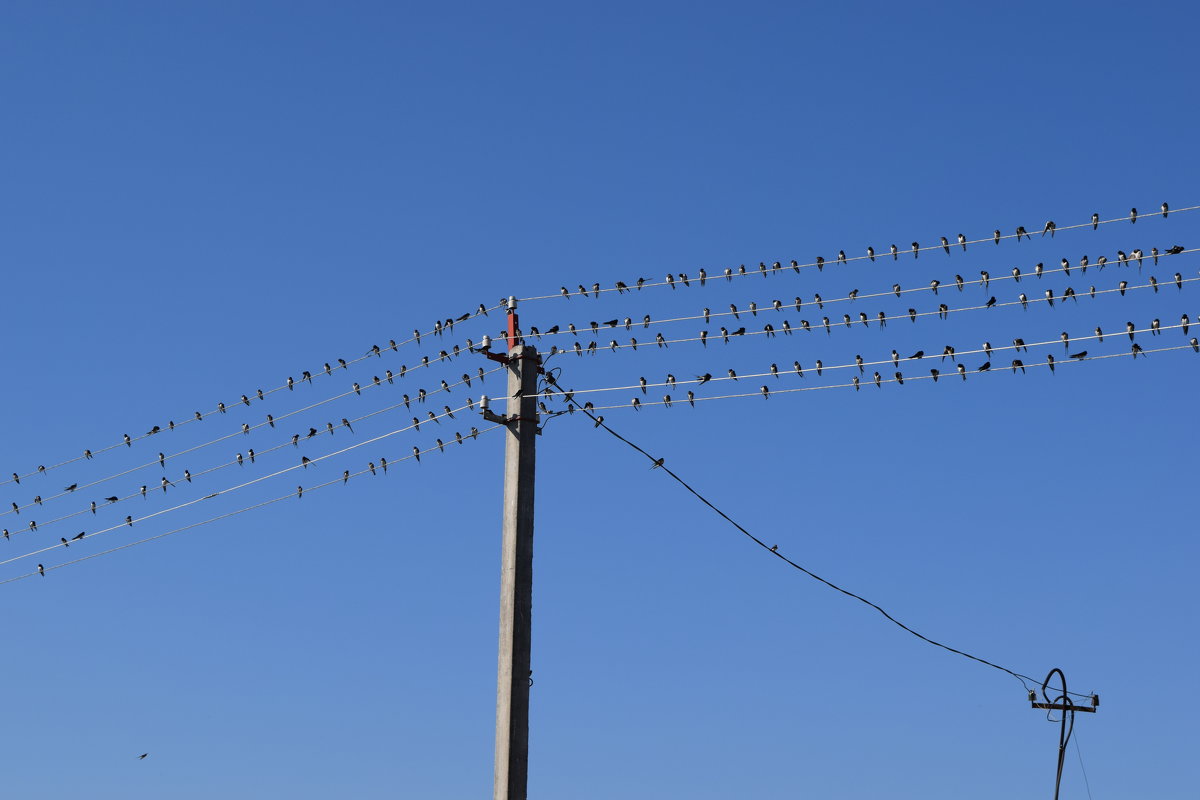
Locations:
column 200, row 200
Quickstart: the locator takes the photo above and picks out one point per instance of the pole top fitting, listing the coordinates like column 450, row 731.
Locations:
column 512, row 303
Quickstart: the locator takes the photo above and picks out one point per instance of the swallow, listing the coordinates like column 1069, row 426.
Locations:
column 817, row 299
column 93, row 506
column 1080, row 356
column 304, row 460
column 1066, row 266
column 78, row 536
column 1016, row 273
column 985, row 366
column 63, row 539
column 987, row 348
column 153, row 430
column 943, row 311
column 704, row 275
column 143, row 490
column 1050, row 362
column 934, row 284
column 895, row 252
column 862, row 317
column 71, row 488
column 1195, row 344
column 129, row 520
column 845, row 320
column 858, row 359
column 895, row 359
column 111, row 499
column 878, row 380
column 825, row 320
column 948, row 351
column 1050, row 297
column 958, row 281
column 962, row 372
column 1121, row 287
column 1017, row 363
column 1133, row 216
column 1176, row 250
column 733, row 375
column 1154, row 253
column 991, row 302
column 1024, row 301
column 1138, row 255
column 41, row 570
column 900, row 378
column 128, row 441
column 1137, row 348
column 642, row 384
column 820, row 264
column 187, row 476
column 871, row 254
column 946, row 245
column 1101, row 262
column 1183, row 322
column 1165, row 210
column 935, row 374
column 819, row 366
column 854, row 380
column 1049, row 227
column 703, row 379
column 1129, row 328
column 1155, row 329
column 797, row 368
column 1095, row 221
column 766, row 393
column 984, row 278
column 1018, row 344
column 1022, row 232
column 996, row 236
column 882, row 320
column 1122, row 259
column 704, row 338
column 1154, row 284
column 896, row 289
column 912, row 314
column 1178, row 281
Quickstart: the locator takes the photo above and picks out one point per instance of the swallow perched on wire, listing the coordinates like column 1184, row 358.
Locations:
column 1133, row 216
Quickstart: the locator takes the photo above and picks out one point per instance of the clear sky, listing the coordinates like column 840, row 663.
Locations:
column 202, row 199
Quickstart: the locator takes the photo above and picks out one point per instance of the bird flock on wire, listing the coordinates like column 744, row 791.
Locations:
column 767, row 319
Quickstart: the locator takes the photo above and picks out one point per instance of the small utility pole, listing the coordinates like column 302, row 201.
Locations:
column 516, row 566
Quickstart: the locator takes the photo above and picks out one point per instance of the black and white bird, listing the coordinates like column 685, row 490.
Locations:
column 1095, row 221
column 962, row 240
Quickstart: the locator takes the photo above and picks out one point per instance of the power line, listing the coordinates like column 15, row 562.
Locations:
column 211, row 519
column 796, row 266
column 856, row 384
column 246, row 430
column 304, row 464
column 778, row 306
column 910, row 360
column 659, row 463
column 829, row 325
column 262, row 394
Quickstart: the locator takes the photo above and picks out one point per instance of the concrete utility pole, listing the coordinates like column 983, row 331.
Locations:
column 516, row 569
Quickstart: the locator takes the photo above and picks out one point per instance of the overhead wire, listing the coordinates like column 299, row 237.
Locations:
column 651, row 344
column 241, row 432
column 769, row 307
column 216, row 518
column 882, row 380
column 304, row 464
column 796, row 266
column 910, row 360
column 659, row 463
column 198, row 416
